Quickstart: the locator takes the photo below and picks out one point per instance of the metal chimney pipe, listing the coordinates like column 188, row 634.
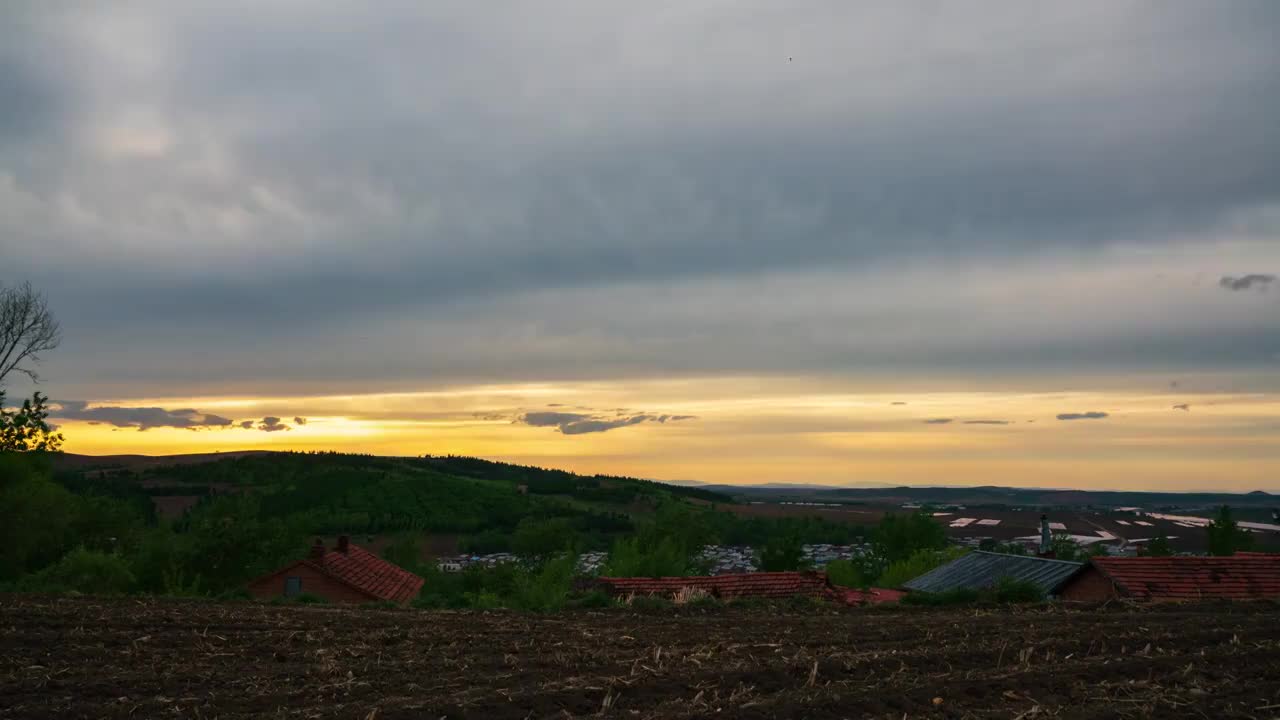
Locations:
column 1046, row 537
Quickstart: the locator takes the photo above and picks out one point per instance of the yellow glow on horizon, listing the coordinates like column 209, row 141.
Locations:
column 768, row 430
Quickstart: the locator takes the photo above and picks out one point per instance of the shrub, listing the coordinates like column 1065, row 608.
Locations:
column 85, row 571
column 233, row 594
column 432, row 601
column 648, row 603
column 920, row 562
column 380, row 605
column 848, row 573
column 686, row 595
column 631, row 557
column 546, row 589
column 705, row 602
column 483, row 601
column 593, row 600
column 1009, row 590
column 309, row 599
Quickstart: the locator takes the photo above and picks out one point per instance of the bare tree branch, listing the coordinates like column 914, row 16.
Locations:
column 27, row 328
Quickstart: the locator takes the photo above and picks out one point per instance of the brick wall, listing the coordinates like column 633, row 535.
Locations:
column 1089, row 586
column 313, row 583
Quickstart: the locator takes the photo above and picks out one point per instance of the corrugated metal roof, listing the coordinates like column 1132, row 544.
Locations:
column 979, row 570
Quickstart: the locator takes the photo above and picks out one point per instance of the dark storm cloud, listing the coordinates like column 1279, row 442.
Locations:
column 142, row 418
column 1091, row 415
column 196, row 153
column 938, row 421
column 1246, row 282
column 581, row 424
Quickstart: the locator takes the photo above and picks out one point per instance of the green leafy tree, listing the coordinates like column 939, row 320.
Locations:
column 785, row 552
column 1064, row 547
column 405, row 550
column 26, row 429
column 1158, row 547
column 36, row 516
column 920, row 562
column 542, row 538
column 1225, row 536
column 85, row 571
column 899, row 536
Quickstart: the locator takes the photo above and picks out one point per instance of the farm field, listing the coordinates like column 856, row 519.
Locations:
column 143, row 658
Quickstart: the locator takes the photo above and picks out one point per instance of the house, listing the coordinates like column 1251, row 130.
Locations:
column 1244, row 576
column 982, row 570
column 345, row 574
column 762, row 585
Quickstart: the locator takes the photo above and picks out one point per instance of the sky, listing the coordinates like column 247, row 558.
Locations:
column 903, row 242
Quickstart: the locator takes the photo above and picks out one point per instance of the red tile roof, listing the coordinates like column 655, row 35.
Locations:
column 369, row 573
column 757, row 585
column 1241, row 577
column 870, row 596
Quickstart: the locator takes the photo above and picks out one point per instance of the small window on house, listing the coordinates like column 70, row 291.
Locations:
column 292, row 586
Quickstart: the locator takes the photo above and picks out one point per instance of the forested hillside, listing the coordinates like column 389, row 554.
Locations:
column 97, row 528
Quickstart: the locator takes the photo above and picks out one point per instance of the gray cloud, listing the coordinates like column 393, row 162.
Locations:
column 1183, row 406
column 1246, row 282
column 581, row 423
column 938, row 421
column 987, row 422
column 1091, row 415
column 142, row 418
column 272, row 424
column 898, row 402
column 246, row 424
column 531, row 203
column 299, row 421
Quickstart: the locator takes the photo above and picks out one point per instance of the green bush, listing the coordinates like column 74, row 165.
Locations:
column 380, row 605
column 309, row 599
column 919, row 563
column 234, row 594
column 432, row 601
column 632, row 557
column 84, row 571
column 650, row 603
column 592, row 600
column 547, row 588
column 848, row 573
column 1009, row 590
column 706, row 602
column 483, row 601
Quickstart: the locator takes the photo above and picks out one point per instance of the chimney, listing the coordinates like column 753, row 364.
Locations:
column 317, row 550
column 344, row 544
column 1046, row 537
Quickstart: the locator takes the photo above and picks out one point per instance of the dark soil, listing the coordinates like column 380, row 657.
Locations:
column 80, row 657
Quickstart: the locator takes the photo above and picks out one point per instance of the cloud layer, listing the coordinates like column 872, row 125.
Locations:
column 142, row 418
column 1247, row 282
column 619, row 193
column 1091, row 415
column 583, row 423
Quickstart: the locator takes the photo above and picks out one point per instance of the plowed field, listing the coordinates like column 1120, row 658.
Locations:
column 128, row 658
